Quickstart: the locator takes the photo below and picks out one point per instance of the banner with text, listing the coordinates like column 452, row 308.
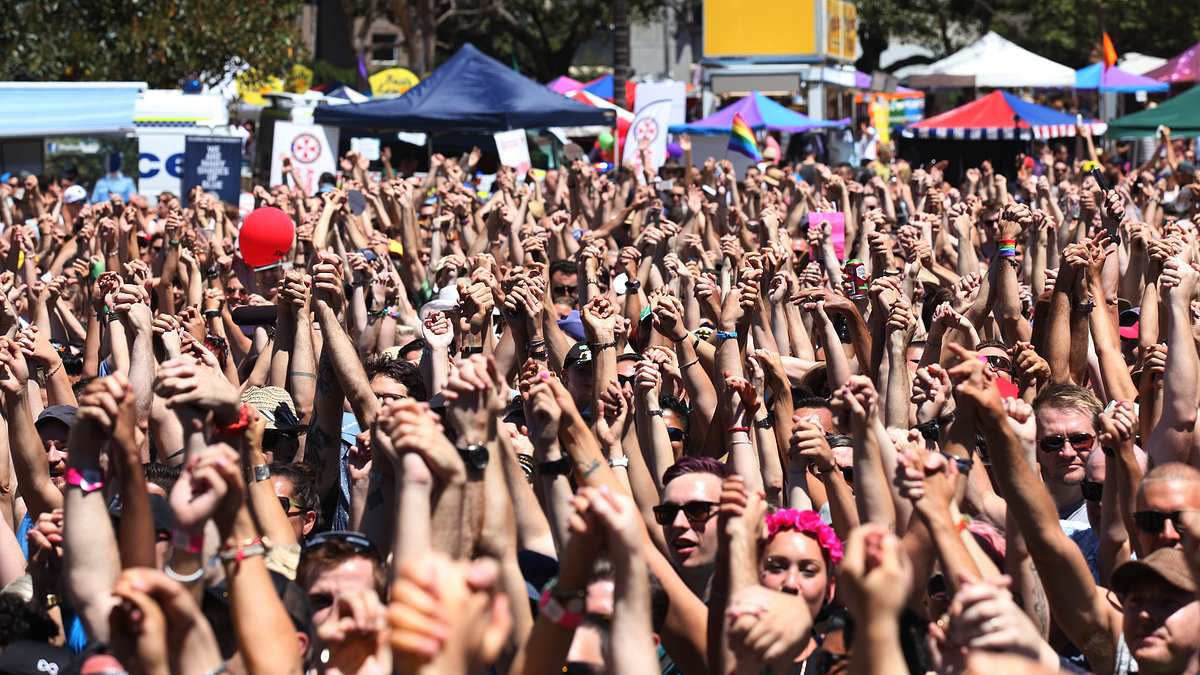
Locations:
column 215, row 164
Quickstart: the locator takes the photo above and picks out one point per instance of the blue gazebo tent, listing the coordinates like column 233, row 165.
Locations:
column 471, row 92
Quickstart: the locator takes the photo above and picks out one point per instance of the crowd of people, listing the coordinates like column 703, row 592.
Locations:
column 627, row 423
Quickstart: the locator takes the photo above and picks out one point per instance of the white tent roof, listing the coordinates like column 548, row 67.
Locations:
column 1139, row 64
column 992, row 61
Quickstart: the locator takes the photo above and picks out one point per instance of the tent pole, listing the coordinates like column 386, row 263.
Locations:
column 616, row 145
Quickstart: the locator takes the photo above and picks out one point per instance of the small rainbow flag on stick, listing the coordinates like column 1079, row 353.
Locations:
column 741, row 139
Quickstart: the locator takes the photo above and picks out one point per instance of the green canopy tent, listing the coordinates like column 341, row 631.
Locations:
column 1181, row 114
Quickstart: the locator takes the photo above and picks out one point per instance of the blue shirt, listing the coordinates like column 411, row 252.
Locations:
column 119, row 184
column 77, row 639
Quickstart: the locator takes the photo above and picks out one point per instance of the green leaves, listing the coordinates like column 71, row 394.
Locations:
column 163, row 42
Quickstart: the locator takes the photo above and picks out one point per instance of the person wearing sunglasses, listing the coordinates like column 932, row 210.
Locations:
column 1066, row 433
column 295, row 486
column 691, row 495
column 1166, row 492
column 336, row 562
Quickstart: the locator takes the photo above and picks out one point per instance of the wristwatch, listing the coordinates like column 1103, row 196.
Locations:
column 475, row 456
column 261, row 472
column 557, row 467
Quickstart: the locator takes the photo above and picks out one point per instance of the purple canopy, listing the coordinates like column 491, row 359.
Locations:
column 1183, row 68
column 863, row 81
column 563, row 84
column 760, row 113
column 1096, row 76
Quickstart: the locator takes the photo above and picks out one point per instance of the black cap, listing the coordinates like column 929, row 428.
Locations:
column 577, row 355
column 28, row 657
column 60, row 413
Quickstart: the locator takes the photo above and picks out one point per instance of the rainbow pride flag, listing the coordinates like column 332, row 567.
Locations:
column 741, row 139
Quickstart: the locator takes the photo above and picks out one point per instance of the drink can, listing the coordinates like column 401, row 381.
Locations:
column 856, row 279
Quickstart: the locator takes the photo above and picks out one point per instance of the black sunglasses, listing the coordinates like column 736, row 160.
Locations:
column 1000, row 363
column 1153, row 522
column 677, row 435
column 697, row 512
column 354, row 540
column 1057, row 441
column 288, row 504
column 1092, row 491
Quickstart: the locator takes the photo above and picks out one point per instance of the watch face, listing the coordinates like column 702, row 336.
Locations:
column 475, row 456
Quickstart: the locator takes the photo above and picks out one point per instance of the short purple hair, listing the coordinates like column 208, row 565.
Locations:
column 687, row 465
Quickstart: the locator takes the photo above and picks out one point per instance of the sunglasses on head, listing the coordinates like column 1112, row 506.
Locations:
column 354, row 540
column 1092, row 491
column 1153, row 522
column 697, row 512
column 1056, row 442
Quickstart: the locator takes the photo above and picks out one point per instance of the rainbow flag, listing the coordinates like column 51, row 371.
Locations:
column 741, row 139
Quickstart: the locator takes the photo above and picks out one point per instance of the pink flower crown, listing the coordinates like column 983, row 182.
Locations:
column 808, row 522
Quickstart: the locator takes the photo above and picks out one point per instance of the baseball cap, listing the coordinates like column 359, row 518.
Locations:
column 58, row 413
column 275, row 405
column 579, row 354
column 29, row 657
column 74, row 194
column 160, row 510
column 1130, row 323
column 1168, row 564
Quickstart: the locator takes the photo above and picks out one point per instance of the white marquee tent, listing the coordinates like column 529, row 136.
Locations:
column 991, row 61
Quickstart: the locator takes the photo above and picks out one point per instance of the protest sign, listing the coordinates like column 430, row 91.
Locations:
column 837, row 229
column 649, row 126
column 513, row 150
column 214, row 163
column 312, row 148
column 160, row 163
column 673, row 90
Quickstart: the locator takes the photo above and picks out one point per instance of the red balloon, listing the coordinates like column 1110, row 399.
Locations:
column 266, row 236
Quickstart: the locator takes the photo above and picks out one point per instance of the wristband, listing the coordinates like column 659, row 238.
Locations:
column 191, row 542
column 622, row 462
column 689, row 364
column 726, row 335
column 566, row 612
column 734, row 430
column 597, row 347
column 558, row 467
column 247, row 549
column 237, row 427
column 632, row 285
column 1008, row 248
column 212, row 313
column 657, row 412
column 767, row 422
column 88, row 480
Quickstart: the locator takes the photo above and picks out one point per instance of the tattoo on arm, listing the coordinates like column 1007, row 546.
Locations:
column 588, row 469
column 327, row 379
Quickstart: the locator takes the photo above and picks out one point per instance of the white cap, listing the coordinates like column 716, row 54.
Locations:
column 73, row 194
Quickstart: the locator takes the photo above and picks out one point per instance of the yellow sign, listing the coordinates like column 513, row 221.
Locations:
column 253, row 93
column 738, row 28
column 841, row 29
column 849, row 31
column 393, row 81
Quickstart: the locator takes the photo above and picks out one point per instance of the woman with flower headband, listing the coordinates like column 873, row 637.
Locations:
column 800, row 557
